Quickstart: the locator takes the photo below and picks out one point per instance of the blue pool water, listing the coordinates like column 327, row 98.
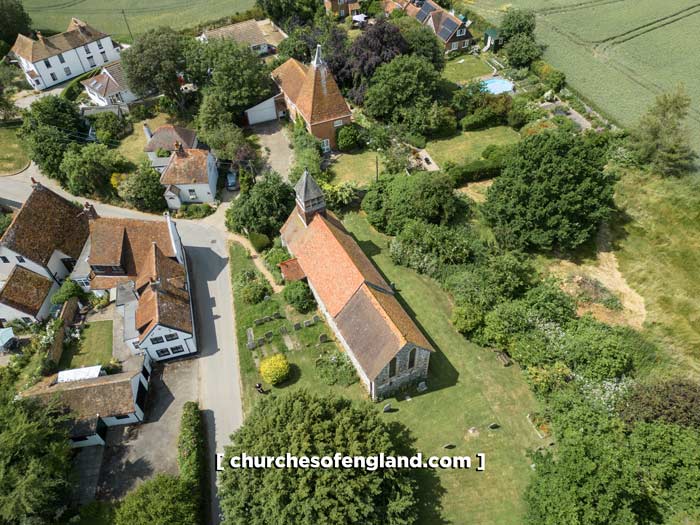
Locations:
column 497, row 86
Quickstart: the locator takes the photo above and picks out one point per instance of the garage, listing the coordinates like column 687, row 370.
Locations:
column 263, row 112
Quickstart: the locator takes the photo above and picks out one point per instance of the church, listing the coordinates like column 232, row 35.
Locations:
column 386, row 347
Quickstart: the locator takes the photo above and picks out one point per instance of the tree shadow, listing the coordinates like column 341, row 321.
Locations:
column 292, row 378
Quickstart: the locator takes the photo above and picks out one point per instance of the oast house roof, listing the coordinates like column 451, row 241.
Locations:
column 46, row 222
column 312, row 89
column 78, row 34
column 366, row 312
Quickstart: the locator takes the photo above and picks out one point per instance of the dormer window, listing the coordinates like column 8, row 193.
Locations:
column 461, row 32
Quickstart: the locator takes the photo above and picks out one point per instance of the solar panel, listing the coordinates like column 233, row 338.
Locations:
column 450, row 24
column 425, row 11
column 444, row 34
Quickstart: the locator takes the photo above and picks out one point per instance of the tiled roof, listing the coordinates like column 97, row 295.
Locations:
column 25, row 290
column 167, row 135
column 312, row 89
column 291, row 271
column 247, row 32
column 111, row 80
column 188, row 166
column 78, row 34
column 46, row 222
column 111, row 239
column 139, row 236
column 106, row 396
column 307, row 188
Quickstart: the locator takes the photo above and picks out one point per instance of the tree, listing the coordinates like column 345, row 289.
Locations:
column 302, row 423
column 518, row 22
column 142, row 189
column 162, row 500
column 351, row 137
column 661, row 138
column 154, row 62
column 522, row 50
column 7, row 107
column 108, row 128
column 674, row 401
column 298, row 294
column 296, row 45
column 264, row 208
column 68, row 290
column 15, row 20
column 552, row 193
column 399, row 84
column 53, row 111
column 421, row 41
column 274, row 369
column 88, row 169
column 282, row 11
column 34, row 460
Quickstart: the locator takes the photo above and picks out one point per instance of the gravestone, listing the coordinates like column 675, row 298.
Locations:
column 267, row 318
column 317, row 319
column 422, row 386
column 277, row 315
column 387, row 408
column 408, row 398
column 494, row 426
column 269, row 336
column 297, row 326
column 448, row 446
column 308, row 322
column 251, row 345
column 283, row 330
column 266, row 298
column 261, row 341
column 249, row 335
column 323, row 338
column 258, row 322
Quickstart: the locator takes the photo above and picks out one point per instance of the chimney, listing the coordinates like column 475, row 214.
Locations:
column 40, row 37
column 147, row 131
column 179, row 149
column 90, row 211
column 35, row 183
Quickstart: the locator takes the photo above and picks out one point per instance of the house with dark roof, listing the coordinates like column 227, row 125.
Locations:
column 161, row 144
column 47, row 61
column 189, row 177
column 311, row 94
column 44, row 241
column 384, row 344
column 95, row 400
column 109, row 87
column 247, row 33
column 142, row 264
column 451, row 29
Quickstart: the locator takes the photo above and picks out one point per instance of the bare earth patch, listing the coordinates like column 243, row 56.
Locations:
column 607, row 272
column 476, row 191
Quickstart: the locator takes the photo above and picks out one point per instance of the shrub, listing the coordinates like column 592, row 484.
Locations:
column 298, row 294
column 472, row 171
column 74, row 87
column 162, row 500
column 273, row 257
column 351, row 137
column 191, row 450
column 260, row 241
column 274, row 369
column 195, row 211
column 255, row 291
column 335, row 368
column 108, row 127
column 139, row 112
column 68, row 289
column 674, row 401
column 338, row 196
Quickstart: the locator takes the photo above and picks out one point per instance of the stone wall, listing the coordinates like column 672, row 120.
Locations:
column 67, row 315
column 385, row 385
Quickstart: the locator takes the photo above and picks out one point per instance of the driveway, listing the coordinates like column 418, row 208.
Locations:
column 25, row 98
column 275, row 142
column 137, row 452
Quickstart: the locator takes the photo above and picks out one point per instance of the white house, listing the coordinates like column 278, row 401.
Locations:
column 161, row 143
column 96, row 401
column 37, row 252
column 190, row 177
column 48, row 61
column 109, row 87
column 247, row 33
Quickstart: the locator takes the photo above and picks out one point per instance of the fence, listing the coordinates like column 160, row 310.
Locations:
column 67, row 315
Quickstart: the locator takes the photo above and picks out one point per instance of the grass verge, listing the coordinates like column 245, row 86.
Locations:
column 12, row 155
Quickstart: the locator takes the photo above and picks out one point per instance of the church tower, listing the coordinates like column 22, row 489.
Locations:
column 309, row 197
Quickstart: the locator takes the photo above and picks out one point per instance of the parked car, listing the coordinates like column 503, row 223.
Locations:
column 232, row 181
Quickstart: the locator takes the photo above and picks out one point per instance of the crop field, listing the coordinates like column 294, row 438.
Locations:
column 141, row 16
column 619, row 54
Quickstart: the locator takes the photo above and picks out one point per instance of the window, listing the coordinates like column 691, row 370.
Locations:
column 163, row 352
column 86, row 47
column 156, row 340
column 461, row 32
column 91, row 61
column 66, row 70
column 193, row 194
column 78, row 439
column 54, row 77
column 99, row 44
column 412, row 358
column 20, row 259
column 177, row 349
column 455, row 45
column 337, row 123
column 3, row 321
column 124, row 416
column 27, row 319
column 4, row 259
column 326, row 145
column 37, row 81
column 61, row 59
column 103, row 54
column 47, row 62
column 392, row 367
column 465, row 43
column 342, row 12
column 83, row 281
column 171, row 337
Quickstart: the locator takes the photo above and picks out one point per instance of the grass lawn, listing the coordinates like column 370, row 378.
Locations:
column 468, row 388
column 132, row 146
column 461, row 70
column 469, row 144
column 359, row 168
column 12, row 155
column 94, row 347
column 658, row 248
column 141, row 16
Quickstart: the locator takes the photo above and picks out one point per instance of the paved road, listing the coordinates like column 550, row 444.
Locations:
column 206, row 245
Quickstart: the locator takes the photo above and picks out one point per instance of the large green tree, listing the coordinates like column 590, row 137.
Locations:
column 34, row 460
column 15, row 20
column 518, row 22
column 88, row 169
column 661, row 138
column 283, row 11
column 304, row 424
column 552, row 193
column 153, row 63
column 522, row 50
column 263, row 208
column 421, row 41
column 163, row 500
column 143, row 190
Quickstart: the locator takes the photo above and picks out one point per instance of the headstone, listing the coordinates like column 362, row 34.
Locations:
column 422, row 386
column 323, row 338
column 473, row 430
column 317, row 319
column 297, row 326
column 249, row 335
column 267, row 318
column 283, row 330
column 261, row 341
column 277, row 315
column 308, row 322
column 269, row 336
column 408, row 398
column 266, row 298
column 448, row 446
column 494, row 426
column 387, row 408
column 251, row 345
column 258, row 322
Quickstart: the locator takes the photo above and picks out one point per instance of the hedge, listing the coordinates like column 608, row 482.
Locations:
column 191, row 453
column 260, row 241
column 473, row 171
column 73, row 88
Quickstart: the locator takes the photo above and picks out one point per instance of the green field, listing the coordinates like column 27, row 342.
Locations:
column 618, row 54
column 12, row 155
column 468, row 145
column 141, row 16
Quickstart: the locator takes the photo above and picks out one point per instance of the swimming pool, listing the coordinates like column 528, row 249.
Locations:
column 497, row 85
